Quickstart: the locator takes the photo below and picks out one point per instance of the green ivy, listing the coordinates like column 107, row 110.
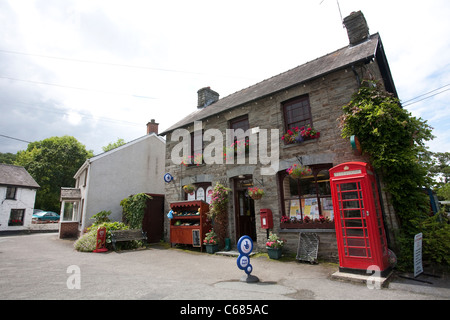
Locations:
column 134, row 209
column 395, row 141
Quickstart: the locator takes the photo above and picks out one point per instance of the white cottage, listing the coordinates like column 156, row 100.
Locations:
column 104, row 180
column 17, row 196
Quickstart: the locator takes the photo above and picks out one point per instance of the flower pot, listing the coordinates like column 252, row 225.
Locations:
column 256, row 196
column 274, row 253
column 212, row 248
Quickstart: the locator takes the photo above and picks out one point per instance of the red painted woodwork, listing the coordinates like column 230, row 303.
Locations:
column 360, row 233
column 183, row 234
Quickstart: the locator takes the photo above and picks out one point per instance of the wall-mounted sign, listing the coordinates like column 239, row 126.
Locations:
column 168, row 177
column 356, row 145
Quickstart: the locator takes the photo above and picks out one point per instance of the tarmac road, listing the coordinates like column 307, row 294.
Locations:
column 41, row 266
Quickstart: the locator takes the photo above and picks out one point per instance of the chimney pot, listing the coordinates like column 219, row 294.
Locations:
column 357, row 28
column 152, row 127
column 206, row 97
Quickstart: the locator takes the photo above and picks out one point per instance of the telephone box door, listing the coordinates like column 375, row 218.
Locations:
column 359, row 228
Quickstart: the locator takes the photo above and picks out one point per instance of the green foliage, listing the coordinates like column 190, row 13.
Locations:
column 219, row 201
column 7, row 158
column 395, row 142
column 436, row 238
column 113, row 145
column 52, row 163
column 134, row 209
column 87, row 242
column 102, row 216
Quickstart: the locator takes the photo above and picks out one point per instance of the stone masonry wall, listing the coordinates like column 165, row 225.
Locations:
column 327, row 95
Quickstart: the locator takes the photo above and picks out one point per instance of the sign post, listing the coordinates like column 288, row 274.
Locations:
column 101, row 240
column 418, row 267
column 245, row 247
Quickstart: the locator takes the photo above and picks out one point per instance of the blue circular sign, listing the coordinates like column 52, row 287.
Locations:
column 168, row 177
column 245, row 247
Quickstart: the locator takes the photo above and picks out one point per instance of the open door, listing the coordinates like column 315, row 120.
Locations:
column 244, row 208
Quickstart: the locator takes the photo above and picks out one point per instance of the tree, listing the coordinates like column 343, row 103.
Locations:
column 52, row 163
column 113, row 145
column 7, row 158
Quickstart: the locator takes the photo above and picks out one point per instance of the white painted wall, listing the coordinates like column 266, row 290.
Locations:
column 133, row 168
column 24, row 200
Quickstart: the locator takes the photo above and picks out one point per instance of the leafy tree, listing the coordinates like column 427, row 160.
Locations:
column 52, row 163
column 113, row 145
column 7, row 158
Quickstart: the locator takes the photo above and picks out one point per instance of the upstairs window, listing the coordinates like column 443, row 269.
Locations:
column 11, row 193
column 297, row 113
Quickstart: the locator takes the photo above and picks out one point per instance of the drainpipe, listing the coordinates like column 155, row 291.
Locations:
column 358, row 80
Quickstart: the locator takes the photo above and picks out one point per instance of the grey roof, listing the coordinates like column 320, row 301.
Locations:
column 70, row 194
column 16, row 176
column 339, row 59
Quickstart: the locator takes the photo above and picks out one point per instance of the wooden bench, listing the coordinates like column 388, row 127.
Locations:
column 127, row 235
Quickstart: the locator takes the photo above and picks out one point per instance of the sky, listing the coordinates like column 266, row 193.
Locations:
column 99, row 70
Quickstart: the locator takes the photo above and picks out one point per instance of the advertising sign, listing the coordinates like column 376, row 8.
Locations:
column 101, row 240
column 418, row 267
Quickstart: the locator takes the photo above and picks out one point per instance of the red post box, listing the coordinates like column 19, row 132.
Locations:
column 360, row 233
column 266, row 218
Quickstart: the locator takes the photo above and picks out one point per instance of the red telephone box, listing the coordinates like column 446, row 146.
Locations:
column 360, row 233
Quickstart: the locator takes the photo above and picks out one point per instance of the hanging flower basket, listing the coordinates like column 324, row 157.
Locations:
column 297, row 171
column 189, row 188
column 255, row 193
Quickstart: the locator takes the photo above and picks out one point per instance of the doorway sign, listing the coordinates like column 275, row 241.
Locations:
column 245, row 247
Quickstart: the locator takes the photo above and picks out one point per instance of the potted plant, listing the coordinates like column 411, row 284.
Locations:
column 274, row 246
column 211, row 242
column 255, row 193
column 297, row 171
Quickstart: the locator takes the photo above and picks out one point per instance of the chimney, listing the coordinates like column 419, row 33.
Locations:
column 152, row 127
column 357, row 28
column 206, row 97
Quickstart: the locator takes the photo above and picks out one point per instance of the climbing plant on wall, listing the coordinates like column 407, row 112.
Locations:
column 394, row 140
column 134, row 209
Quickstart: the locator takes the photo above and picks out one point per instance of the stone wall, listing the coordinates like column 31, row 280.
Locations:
column 327, row 96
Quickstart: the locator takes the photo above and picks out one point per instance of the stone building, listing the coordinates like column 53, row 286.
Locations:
column 311, row 94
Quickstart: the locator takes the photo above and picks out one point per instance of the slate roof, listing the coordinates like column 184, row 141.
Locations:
column 70, row 193
column 331, row 62
column 16, row 176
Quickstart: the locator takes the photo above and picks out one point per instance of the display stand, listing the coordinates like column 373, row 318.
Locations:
column 189, row 224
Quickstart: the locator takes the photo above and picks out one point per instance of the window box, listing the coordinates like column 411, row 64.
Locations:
column 310, row 225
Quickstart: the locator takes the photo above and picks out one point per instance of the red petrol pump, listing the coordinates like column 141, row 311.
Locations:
column 360, row 233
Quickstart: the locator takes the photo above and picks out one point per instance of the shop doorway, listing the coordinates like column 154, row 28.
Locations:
column 244, row 208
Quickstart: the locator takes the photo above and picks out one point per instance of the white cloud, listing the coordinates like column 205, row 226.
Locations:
column 226, row 45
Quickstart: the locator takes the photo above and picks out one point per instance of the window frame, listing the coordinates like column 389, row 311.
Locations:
column 16, row 212
column 288, row 123
column 316, row 169
column 11, row 193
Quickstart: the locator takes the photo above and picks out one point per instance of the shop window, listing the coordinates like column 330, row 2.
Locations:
column 16, row 217
column 202, row 191
column 308, row 197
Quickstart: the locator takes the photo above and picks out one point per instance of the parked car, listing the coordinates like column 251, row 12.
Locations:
column 46, row 216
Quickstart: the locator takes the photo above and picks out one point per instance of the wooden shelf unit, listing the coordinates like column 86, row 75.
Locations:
column 199, row 225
